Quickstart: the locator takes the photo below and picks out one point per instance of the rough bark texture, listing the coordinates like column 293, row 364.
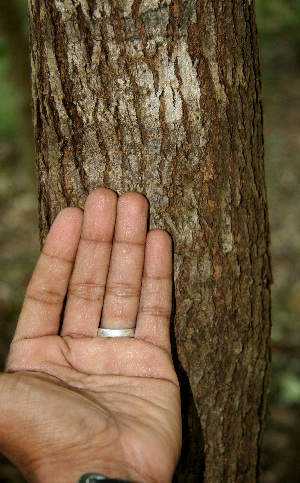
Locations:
column 163, row 97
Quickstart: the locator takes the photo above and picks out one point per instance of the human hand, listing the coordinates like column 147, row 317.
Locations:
column 72, row 402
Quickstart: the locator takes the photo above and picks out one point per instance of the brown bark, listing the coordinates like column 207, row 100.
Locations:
column 163, row 97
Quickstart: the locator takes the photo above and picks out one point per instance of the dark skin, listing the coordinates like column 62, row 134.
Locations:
column 72, row 402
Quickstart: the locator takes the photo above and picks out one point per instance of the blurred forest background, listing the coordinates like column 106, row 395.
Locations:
column 279, row 34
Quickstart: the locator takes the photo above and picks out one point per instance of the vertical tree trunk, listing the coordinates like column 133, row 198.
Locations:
column 163, row 97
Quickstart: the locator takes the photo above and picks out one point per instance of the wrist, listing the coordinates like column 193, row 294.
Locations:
column 48, row 471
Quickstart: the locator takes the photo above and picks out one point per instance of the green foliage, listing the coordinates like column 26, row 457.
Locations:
column 279, row 21
column 7, row 104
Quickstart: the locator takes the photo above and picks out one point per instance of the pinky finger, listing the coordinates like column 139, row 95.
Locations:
column 153, row 321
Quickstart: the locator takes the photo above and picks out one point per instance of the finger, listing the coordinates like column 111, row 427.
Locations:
column 46, row 291
column 123, row 286
column 87, row 284
column 153, row 321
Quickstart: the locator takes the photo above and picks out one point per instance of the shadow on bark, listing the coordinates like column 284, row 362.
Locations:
column 191, row 465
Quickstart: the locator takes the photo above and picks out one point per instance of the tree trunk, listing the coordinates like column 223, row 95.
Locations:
column 163, row 97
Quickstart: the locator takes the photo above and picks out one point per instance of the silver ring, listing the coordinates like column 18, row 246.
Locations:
column 115, row 332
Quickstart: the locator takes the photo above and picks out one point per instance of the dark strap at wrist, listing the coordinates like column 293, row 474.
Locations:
column 95, row 478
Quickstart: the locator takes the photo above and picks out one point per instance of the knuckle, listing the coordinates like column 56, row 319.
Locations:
column 154, row 276
column 45, row 296
column 92, row 292
column 157, row 311
column 123, row 289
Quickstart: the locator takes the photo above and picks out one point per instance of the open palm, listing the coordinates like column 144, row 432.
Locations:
column 81, row 403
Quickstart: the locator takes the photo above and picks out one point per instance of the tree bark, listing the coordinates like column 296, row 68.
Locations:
column 163, row 97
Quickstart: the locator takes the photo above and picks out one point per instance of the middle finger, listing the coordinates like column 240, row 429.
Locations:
column 122, row 293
